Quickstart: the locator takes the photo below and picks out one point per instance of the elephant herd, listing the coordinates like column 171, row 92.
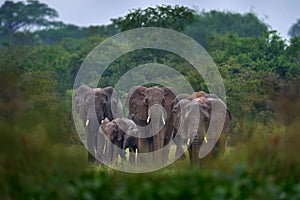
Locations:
column 156, row 117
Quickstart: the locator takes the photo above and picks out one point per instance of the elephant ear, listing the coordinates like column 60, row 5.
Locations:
column 170, row 95
column 113, row 102
column 79, row 97
column 178, row 109
column 119, row 131
column 217, row 124
column 126, row 127
column 218, row 112
column 109, row 91
column 135, row 103
column 121, row 123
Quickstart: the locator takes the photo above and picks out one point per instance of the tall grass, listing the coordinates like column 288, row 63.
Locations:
column 36, row 162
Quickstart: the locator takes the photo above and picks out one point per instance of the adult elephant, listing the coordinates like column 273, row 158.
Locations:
column 173, row 126
column 190, row 119
column 94, row 105
column 150, row 109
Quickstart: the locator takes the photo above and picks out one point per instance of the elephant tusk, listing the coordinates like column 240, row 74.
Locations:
column 163, row 120
column 205, row 139
column 148, row 119
column 102, row 121
column 87, row 122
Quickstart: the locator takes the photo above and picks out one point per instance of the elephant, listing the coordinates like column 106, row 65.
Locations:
column 94, row 105
column 190, row 118
column 121, row 133
column 131, row 142
column 150, row 109
column 171, row 133
column 212, row 100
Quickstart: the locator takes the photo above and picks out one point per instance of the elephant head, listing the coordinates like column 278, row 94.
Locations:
column 201, row 119
column 150, row 107
column 150, row 104
column 111, row 131
column 141, row 100
column 100, row 102
column 190, row 118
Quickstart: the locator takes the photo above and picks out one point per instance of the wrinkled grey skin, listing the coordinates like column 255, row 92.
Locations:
column 172, row 129
column 190, row 118
column 120, row 134
column 219, row 105
column 150, row 108
column 106, row 105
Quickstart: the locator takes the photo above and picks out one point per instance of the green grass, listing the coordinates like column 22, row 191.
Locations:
column 32, row 166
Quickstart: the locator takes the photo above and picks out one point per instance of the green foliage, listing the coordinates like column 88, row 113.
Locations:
column 19, row 16
column 222, row 23
column 33, row 167
column 55, row 35
column 103, row 31
column 176, row 18
column 35, row 161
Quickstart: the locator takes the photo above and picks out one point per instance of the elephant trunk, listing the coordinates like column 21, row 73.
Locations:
column 158, row 122
column 92, row 127
column 194, row 150
column 156, row 117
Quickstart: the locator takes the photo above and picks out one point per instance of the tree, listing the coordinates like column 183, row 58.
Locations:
column 215, row 22
column 295, row 29
column 18, row 16
column 161, row 16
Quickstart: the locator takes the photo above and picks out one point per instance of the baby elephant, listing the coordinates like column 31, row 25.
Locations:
column 120, row 134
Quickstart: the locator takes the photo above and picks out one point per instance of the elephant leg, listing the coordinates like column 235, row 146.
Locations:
column 194, row 149
column 91, row 147
column 100, row 150
column 221, row 145
column 158, row 140
column 123, row 156
column 167, row 142
column 109, row 151
column 179, row 150
column 121, row 152
column 166, row 152
column 131, row 155
column 115, row 155
column 144, row 147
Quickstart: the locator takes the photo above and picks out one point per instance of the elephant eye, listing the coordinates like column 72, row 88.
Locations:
column 146, row 101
